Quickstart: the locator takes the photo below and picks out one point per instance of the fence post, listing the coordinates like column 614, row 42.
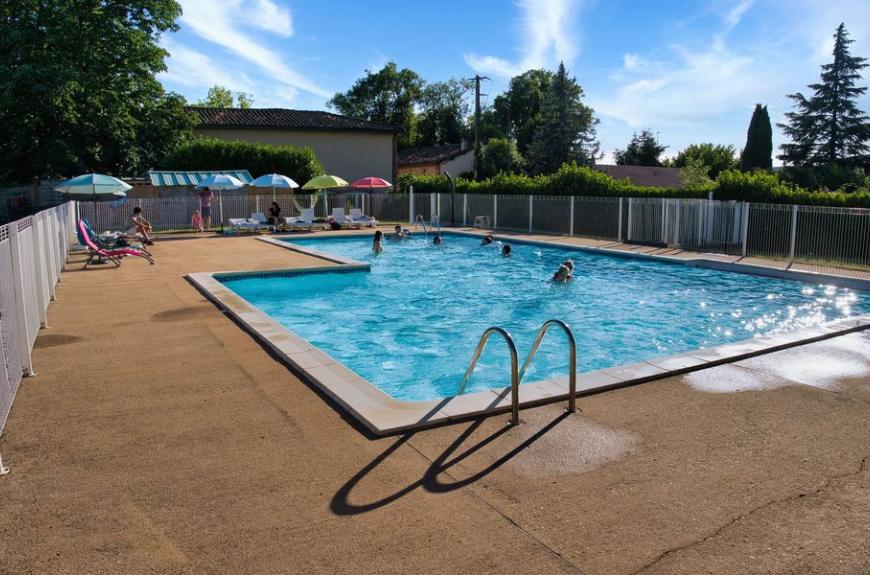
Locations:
column 432, row 208
column 531, row 207
column 20, row 304
column 619, row 226
column 494, row 211
column 410, row 204
column 676, row 223
column 745, row 229
column 41, row 280
column 571, row 219
column 49, row 256
column 665, row 218
column 3, row 469
column 464, row 209
column 630, row 215
column 793, row 239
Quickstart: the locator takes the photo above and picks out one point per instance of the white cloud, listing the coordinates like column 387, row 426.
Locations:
column 546, row 39
column 224, row 23
column 735, row 15
column 188, row 67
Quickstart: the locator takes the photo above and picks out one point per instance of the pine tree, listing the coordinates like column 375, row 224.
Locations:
column 566, row 132
column 828, row 128
column 643, row 150
column 759, row 142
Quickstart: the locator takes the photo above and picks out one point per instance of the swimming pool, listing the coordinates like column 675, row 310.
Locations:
column 410, row 325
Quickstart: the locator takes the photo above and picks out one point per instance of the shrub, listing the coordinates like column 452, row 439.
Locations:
column 300, row 164
column 574, row 180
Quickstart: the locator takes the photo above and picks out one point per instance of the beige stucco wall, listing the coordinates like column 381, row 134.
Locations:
column 459, row 164
column 350, row 155
column 428, row 170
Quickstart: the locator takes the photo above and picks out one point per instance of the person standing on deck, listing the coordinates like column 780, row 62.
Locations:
column 205, row 198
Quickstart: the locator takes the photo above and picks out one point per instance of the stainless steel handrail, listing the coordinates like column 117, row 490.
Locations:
column 572, row 363
column 515, row 379
column 423, row 223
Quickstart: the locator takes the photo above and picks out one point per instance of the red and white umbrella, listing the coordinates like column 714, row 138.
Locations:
column 371, row 183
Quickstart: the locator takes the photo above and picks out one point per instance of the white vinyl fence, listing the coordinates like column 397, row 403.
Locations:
column 810, row 234
column 33, row 252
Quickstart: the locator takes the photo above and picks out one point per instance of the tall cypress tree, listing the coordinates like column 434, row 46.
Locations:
column 759, row 142
column 828, row 128
column 566, row 132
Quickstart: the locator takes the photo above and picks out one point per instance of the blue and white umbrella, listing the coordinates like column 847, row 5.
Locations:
column 221, row 182
column 94, row 187
column 274, row 181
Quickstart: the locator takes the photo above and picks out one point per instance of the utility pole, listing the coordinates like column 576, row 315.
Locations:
column 477, row 79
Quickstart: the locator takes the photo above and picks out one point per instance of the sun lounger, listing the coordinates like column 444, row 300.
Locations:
column 254, row 223
column 341, row 219
column 114, row 255
column 305, row 221
column 357, row 216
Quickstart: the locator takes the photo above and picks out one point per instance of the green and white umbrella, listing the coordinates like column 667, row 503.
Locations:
column 94, row 188
column 322, row 183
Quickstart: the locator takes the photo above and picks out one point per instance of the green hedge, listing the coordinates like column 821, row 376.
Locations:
column 300, row 164
column 573, row 180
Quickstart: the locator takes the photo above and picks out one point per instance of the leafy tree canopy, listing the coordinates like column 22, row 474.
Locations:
column 78, row 90
column 566, row 132
column 500, row 155
column 387, row 96
column 716, row 157
column 221, row 97
column 443, row 109
column 643, row 150
column 828, row 127
column 518, row 112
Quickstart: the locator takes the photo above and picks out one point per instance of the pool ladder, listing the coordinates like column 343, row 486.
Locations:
column 422, row 223
column 518, row 374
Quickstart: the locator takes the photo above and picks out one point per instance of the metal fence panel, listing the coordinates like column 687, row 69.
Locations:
column 597, row 218
column 10, row 355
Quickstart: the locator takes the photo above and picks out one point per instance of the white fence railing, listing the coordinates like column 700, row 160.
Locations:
column 33, row 252
column 822, row 235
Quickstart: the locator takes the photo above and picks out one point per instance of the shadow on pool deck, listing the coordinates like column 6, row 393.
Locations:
column 159, row 437
column 341, row 502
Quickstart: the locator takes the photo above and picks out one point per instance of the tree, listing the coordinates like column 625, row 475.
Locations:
column 828, row 128
column 643, row 150
column 566, row 132
column 387, row 96
column 759, row 142
column 717, row 158
column 443, row 108
column 78, row 91
column 694, row 173
column 500, row 155
column 518, row 111
column 221, row 97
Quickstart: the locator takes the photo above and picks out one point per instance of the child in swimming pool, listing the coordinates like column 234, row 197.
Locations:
column 377, row 246
column 563, row 274
column 506, row 250
column 438, row 240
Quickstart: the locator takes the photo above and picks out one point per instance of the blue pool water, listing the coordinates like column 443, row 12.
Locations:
column 410, row 325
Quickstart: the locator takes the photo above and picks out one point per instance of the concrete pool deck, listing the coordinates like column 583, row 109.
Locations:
column 159, row 437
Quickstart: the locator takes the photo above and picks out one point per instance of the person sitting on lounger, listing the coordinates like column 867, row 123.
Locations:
column 377, row 246
column 487, row 240
column 563, row 274
column 275, row 215
column 139, row 225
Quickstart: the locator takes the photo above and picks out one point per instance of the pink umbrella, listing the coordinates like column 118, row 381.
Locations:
column 371, row 184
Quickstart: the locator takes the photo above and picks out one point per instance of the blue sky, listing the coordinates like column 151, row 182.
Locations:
column 691, row 71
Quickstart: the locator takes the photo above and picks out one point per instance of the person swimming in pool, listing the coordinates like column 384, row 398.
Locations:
column 506, row 250
column 570, row 265
column 486, row 240
column 377, row 246
column 438, row 240
column 400, row 233
column 563, row 274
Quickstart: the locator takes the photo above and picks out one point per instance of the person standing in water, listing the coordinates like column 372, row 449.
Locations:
column 377, row 245
column 506, row 250
column 438, row 240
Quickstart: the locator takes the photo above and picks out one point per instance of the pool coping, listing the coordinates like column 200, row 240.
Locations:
column 383, row 415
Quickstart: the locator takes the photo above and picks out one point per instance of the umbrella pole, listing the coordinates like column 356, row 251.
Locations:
column 221, row 207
